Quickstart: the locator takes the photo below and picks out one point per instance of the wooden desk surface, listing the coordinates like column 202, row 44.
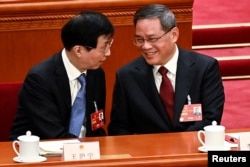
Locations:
column 166, row 149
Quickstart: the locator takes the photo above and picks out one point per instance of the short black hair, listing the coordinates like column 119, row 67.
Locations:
column 85, row 28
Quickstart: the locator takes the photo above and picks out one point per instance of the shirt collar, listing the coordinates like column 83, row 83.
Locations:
column 72, row 72
column 171, row 65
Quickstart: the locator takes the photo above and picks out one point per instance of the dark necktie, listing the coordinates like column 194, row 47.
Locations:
column 167, row 93
column 78, row 108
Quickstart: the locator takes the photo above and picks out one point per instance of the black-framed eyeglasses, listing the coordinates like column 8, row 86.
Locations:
column 105, row 50
column 139, row 41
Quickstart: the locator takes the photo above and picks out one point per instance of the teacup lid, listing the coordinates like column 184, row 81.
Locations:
column 214, row 127
column 214, row 123
column 28, row 137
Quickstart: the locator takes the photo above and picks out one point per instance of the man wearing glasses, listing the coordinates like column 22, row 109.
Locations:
column 147, row 100
column 61, row 94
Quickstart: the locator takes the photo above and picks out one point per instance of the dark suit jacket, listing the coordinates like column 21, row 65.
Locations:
column 45, row 101
column 137, row 107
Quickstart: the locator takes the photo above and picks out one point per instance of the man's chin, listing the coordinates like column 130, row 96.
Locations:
column 94, row 68
column 152, row 62
column 97, row 66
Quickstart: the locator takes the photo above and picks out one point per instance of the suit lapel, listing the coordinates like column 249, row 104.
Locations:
column 62, row 79
column 147, row 83
column 184, row 78
column 90, row 87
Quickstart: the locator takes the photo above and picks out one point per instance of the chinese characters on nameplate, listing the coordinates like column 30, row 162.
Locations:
column 81, row 151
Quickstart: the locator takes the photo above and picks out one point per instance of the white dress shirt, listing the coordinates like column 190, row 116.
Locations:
column 171, row 66
column 73, row 73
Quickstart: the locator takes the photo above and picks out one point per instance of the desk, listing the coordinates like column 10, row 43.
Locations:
column 165, row 149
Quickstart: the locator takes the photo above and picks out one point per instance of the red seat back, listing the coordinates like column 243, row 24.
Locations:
column 8, row 106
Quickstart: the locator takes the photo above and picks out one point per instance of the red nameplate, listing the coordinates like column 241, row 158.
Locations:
column 191, row 112
column 97, row 119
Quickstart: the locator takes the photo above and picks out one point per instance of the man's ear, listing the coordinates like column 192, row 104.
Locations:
column 175, row 34
column 77, row 50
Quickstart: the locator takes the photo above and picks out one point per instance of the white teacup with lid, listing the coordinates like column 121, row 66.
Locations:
column 214, row 137
column 28, row 148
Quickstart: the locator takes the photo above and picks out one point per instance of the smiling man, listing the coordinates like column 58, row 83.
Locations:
column 61, row 94
column 158, row 91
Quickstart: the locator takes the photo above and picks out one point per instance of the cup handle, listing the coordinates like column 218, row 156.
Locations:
column 201, row 132
column 14, row 143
